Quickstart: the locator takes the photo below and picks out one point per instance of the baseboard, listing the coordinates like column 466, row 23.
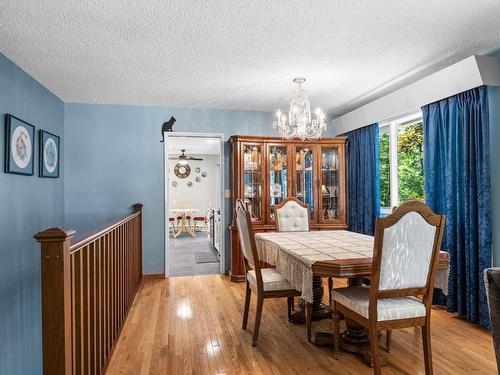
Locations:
column 236, row 278
column 154, row 276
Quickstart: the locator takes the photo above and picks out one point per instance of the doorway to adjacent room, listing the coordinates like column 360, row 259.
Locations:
column 194, row 209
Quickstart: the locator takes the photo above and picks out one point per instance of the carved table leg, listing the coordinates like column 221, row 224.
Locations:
column 319, row 309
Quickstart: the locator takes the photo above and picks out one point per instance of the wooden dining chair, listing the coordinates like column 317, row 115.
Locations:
column 405, row 257
column 202, row 220
column 265, row 282
column 172, row 222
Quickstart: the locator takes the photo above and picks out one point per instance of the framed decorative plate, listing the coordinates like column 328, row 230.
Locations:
column 174, row 183
column 19, row 146
column 203, row 174
column 197, row 170
column 198, row 179
column 49, row 154
column 182, row 170
column 190, row 183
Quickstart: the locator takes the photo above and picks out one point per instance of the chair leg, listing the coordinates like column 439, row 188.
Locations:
column 258, row 314
column 374, row 349
column 426, row 340
column 290, row 308
column 248, row 295
column 308, row 320
column 388, row 340
column 336, row 334
column 330, row 287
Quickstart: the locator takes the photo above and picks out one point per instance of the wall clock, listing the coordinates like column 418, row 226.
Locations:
column 182, row 170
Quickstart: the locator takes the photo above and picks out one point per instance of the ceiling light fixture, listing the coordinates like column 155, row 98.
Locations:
column 299, row 123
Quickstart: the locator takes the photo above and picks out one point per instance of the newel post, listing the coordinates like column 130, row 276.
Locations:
column 56, row 300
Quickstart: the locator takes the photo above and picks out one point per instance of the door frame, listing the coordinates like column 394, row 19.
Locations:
column 222, row 249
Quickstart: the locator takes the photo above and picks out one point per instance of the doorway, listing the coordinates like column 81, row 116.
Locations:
column 194, row 204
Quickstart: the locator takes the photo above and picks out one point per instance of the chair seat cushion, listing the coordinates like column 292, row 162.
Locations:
column 272, row 280
column 356, row 298
column 199, row 218
column 180, row 217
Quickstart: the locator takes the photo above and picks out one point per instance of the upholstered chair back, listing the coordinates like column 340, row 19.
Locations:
column 292, row 216
column 243, row 223
column 407, row 243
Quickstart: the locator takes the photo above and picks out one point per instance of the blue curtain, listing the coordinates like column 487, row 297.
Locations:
column 457, row 184
column 363, row 178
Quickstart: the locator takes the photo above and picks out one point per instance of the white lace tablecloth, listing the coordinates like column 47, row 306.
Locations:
column 294, row 253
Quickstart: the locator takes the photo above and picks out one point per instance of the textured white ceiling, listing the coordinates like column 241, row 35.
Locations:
column 240, row 54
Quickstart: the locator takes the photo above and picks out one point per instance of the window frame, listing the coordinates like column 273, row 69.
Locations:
column 392, row 127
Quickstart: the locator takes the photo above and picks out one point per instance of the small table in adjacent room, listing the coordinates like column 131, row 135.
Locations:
column 184, row 227
column 303, row 258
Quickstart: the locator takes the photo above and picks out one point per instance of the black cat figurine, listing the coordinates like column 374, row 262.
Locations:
column 167, row 127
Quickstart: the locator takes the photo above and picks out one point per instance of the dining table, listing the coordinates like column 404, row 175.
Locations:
column 184, row 227
column 304, row 258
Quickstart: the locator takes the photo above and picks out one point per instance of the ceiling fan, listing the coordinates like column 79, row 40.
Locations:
column 183, row 158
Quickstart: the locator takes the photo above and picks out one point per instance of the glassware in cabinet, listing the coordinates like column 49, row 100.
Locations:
column 252, row 180
column 278, row 176
column 330, row 184
column 304, row 176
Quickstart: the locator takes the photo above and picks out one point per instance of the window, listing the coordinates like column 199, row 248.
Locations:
column 401, row 160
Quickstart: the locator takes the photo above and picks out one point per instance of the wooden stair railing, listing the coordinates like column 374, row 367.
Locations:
column 87, row 289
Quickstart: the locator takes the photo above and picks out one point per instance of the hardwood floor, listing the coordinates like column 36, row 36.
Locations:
column 192, row 325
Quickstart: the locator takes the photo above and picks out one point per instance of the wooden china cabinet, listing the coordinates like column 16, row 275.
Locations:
column 266, row 170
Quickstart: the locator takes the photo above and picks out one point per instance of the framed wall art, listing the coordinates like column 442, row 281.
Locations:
column 19, row 146
column 49, row 154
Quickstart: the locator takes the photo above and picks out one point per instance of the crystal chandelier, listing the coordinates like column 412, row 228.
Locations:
column 299, row 123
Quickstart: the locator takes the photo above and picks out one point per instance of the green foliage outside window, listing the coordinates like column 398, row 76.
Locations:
column 410, row 164
column 385, row 171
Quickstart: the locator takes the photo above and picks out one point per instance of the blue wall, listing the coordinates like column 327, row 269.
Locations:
column 494, row 107
column 28, row 204
column 114, row 157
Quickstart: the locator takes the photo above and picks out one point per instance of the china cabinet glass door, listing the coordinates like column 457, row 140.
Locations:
column 304, row 176
column 278, row 176
column 252, row 179
column 330, row 184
